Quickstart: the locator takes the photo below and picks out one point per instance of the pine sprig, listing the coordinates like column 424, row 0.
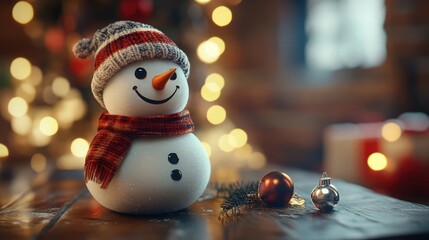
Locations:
column 237, row 196
column 227, row 189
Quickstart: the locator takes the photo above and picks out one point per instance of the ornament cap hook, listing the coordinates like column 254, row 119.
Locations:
column 325, row 180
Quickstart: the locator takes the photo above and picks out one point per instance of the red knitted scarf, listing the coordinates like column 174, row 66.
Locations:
column 115, row 134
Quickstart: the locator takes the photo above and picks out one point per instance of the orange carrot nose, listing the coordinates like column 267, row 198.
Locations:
column 159, row 81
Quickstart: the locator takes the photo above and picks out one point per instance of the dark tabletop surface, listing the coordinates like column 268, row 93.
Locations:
column 56, row 205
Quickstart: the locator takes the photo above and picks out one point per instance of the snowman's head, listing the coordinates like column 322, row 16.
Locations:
column 148, row 87
column 126, row 51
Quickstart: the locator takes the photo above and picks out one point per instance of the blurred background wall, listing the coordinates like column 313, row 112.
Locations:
column 267, row 78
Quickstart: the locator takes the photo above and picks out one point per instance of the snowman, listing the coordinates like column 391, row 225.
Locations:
column 145, row 158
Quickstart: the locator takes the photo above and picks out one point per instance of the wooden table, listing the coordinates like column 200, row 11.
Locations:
column 57, row 205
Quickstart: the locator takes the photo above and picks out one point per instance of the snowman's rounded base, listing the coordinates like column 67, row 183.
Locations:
column 147, row 206
column 144, row 183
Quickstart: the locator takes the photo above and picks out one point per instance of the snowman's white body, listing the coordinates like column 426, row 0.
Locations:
column 144, row 183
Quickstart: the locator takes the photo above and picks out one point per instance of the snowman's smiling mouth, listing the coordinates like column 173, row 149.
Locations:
column 151, row 101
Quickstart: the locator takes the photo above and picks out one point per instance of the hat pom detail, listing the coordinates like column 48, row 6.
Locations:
column 83, row 48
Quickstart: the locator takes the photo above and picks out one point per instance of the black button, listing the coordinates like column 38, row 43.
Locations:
column 173, row 158
column 176, row 175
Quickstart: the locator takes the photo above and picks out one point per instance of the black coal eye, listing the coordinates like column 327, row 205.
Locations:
column 140, row 73
column 173, row 77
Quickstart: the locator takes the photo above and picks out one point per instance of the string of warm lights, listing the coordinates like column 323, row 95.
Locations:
column 225, row 138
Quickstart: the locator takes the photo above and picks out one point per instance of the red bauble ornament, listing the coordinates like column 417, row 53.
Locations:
column 276, row 189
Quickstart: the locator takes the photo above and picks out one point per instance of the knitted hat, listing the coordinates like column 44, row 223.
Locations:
column 122, row 43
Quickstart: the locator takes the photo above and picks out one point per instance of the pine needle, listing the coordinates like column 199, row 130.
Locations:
column 237, row 196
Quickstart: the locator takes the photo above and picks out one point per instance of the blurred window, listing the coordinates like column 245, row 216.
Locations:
column 345, row 34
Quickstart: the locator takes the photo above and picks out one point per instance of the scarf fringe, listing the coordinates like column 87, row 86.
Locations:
column 98, row 173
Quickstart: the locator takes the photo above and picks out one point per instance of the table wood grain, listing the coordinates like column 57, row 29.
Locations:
column 57, row 205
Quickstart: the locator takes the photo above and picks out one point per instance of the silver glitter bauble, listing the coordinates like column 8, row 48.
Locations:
column 325, row 196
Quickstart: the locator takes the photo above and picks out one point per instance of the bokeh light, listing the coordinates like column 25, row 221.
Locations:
column 38, row 162
column 202, row 1
column 21, row 125
column 208, row 51
column 238, row 138
column 4, row 151
column 377, row 161
column 224, row 143
column 216, row 114
column 391, row 131
column 210, row 92
column 23, row 12
column 20, row 68
column 48, row 126
column 215, row 78
column 60, row 86
column 222, row 16
column 219, row 42
column 17, row 107
column 79, row 147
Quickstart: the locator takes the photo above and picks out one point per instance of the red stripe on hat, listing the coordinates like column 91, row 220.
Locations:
column 134, row 38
